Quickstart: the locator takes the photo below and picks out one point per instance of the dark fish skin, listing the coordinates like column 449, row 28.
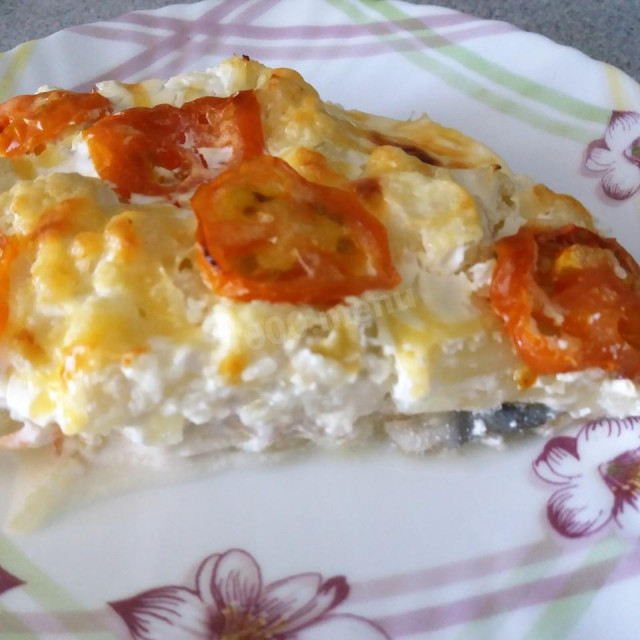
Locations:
column 510, row 418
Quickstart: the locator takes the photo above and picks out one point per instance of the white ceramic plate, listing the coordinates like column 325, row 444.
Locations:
column 469, row 544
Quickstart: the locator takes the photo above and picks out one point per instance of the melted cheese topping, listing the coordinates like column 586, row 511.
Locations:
column 93, row 284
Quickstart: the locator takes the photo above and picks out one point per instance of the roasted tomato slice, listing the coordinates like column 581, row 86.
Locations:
column 28, row 123
column 162, row 150
column 232, row 122
column 9, row 248
column 569, row 300
column 266, row 233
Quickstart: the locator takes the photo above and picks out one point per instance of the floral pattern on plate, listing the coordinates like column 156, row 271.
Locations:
column 8, row 581
column 617, row 155
column 598, row 478
column 229, row 601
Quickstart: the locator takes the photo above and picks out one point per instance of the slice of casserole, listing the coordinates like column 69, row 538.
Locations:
column 223, row 261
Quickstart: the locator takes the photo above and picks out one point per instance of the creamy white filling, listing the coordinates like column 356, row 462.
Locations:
column 216, row 158
column 76, row 159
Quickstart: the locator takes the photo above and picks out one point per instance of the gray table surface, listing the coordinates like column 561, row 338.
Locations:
column 607, row 30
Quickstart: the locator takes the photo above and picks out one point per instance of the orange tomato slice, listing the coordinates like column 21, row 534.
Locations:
column 9, row 248
column 29, row 122
column 569, row 300
column 266, row 233
column 156, row 151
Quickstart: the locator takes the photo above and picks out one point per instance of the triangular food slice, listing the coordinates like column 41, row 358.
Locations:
column 224, row 261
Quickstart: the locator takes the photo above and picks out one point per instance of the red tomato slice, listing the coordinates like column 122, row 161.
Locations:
column 9, row 248
column 230, row 122
column 155, row 151
column 266, row 233
column 569, row 300
column 28, row 123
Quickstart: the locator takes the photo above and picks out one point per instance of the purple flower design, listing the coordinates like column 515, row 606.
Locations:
column 598, row 475
column 8, row 581
column 230, row 602
column 618, row 155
